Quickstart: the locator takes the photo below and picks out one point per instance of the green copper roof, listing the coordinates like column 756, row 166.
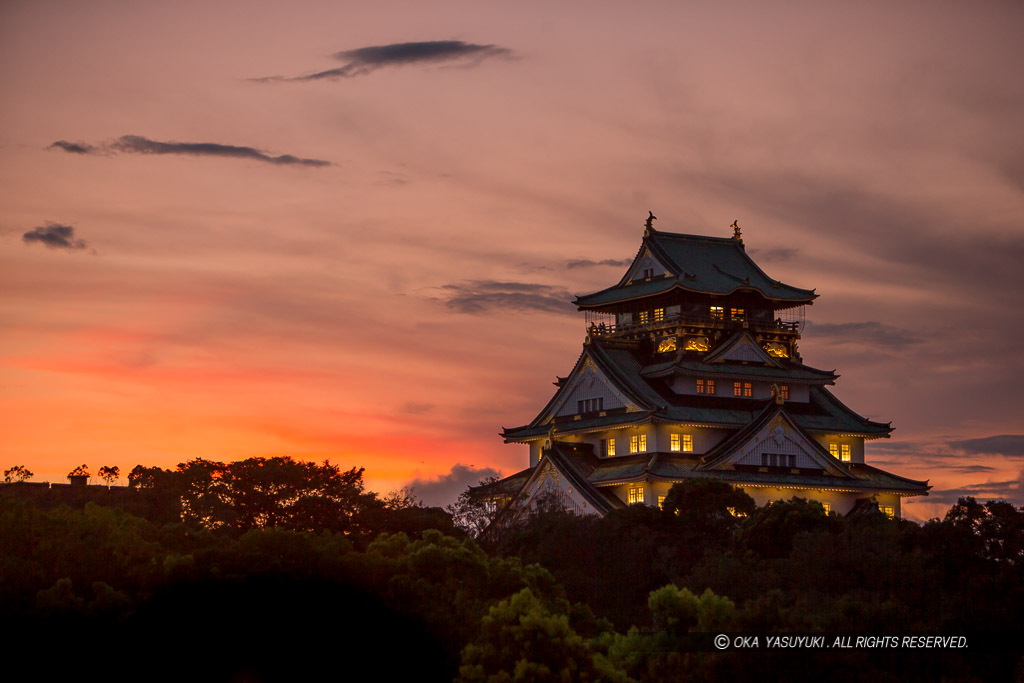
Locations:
column 707, row 265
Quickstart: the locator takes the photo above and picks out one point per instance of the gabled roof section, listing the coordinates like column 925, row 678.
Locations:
column 772, row 432
column 741, row 347
column 607, row 369
column 565, row 467
column 695, row 263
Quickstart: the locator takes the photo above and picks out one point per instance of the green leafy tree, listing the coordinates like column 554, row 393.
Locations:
column 770, row 530
column 521, row 639
column 708, row 506
column 261, row 493
column 16, row 474
column 995, row 528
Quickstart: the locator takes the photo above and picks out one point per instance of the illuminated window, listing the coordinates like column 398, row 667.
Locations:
column 638, row 443
column 636, row 494
column 742, row 389
column 888, row 510
column 611, row 447
column 687, row 443
column 590, row 405
column 667, row 344
column 643, row 317
column 828, row 508
column 659, row 314
column 736, row 313
column 845, row 451
column 661, row 502
column 833, row 450
column 784, row 391
column 705, row 386
column 674, row 443
column 718, row 312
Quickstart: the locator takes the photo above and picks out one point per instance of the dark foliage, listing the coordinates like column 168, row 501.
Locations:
column 227, row 562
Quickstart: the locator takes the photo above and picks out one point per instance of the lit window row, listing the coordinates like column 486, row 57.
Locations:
column 744, row 389
column 638, row 443
column 608, row 447
column 888, row 510
column 705, row 386
column 718, row 313
column 590, row 405
column 840, row 451
column 644, row 317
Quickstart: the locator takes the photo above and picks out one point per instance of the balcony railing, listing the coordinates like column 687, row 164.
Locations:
column 776, row 326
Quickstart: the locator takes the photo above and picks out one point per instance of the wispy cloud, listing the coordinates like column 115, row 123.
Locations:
column 587, row 263
column 479, row 296
column 446, row 488
column 868, row 333
column 73, row 147
column 136, row 144
column 1010, row 445
column 363, row 60
column 1011, row 490
column 414, row 408
column 773, row 255
column 54, row 236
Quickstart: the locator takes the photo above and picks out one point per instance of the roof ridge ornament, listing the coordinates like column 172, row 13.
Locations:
column 649, row 225
column 736, row 234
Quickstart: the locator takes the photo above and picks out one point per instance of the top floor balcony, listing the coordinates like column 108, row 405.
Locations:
column 605, row 325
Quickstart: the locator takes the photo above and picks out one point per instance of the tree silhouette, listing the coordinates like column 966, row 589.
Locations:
column 80, row 471
column 16, row 474
column 109, row 474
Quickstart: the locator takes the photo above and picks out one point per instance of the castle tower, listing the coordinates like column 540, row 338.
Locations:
column 691, row 369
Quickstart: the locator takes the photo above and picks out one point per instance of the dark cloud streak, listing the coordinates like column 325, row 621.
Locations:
column 54, row 236
column 73, row 147
column 364, row 60
column 1010, row 445
column 136, row 144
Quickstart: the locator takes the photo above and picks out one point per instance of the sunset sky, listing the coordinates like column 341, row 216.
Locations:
column 351, row 231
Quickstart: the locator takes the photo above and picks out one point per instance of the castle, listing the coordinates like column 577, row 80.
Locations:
column 691, row 370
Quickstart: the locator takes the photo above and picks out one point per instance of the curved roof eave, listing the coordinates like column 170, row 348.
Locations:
column 581, row 305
